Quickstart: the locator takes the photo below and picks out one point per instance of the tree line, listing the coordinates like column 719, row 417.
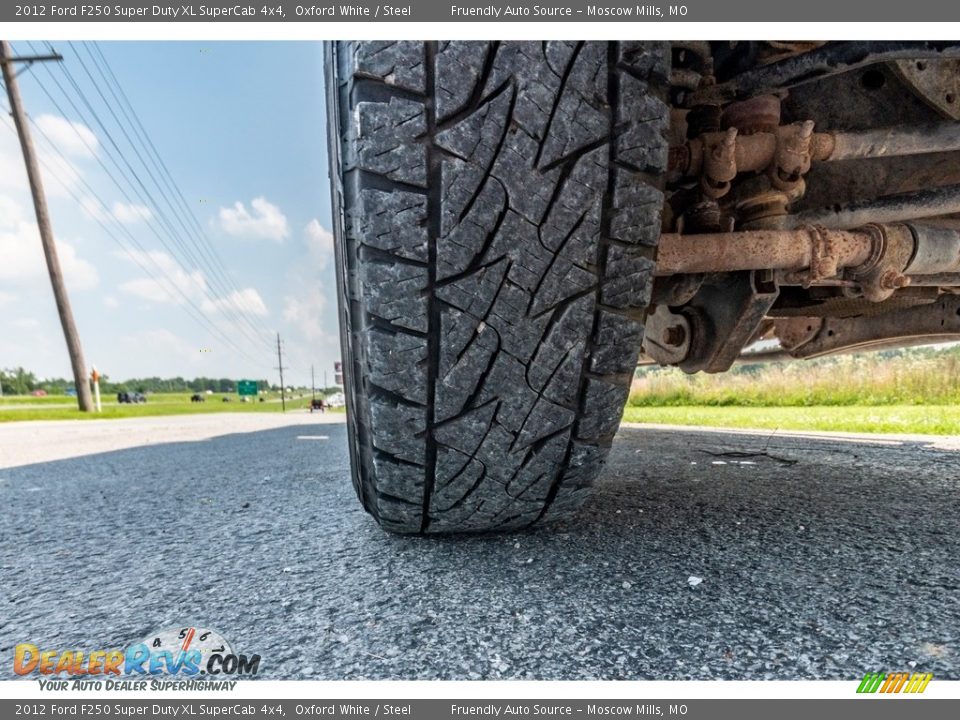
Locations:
column 19, row 381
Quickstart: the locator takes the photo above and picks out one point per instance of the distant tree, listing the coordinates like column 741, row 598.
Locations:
column 19, row 381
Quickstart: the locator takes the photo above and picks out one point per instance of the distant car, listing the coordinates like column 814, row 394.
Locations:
column 336, row 400
column 129, row 398
column 317, row 404
column 39, row 393
column 197, row 397
column 226, row 399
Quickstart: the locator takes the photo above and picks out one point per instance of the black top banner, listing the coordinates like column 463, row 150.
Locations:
column 482, row 11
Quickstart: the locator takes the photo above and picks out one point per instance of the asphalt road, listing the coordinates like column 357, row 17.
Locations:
column 817, row 559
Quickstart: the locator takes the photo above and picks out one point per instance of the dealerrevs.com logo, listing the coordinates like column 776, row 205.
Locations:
column 187, row 652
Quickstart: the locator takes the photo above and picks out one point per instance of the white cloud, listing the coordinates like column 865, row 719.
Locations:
column 73, row 138
column 59, row 174
column 162, row 347
column 308, row 309
column 265, row 222
column 319, row 243
column 6, row 298
column 109, row 301
column 306, row 313
column 131, row 213
column 26, row 323
column 246, row 300
column 22, row 253
column 192, row 284
column 181, row 285
column 125, row 213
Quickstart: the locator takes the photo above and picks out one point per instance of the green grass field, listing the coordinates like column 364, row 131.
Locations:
column 912, row 419
column 62, row 407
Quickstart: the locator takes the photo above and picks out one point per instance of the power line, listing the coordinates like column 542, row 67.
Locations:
column 203, row 246
column 163, row 170
column 227, row 309
column 171, row 230
column 192, row 309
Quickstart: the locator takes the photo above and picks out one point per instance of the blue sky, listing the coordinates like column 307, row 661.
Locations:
column 241, row 128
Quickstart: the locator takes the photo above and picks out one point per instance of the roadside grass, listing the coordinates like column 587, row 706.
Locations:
column 158, row 404
column 913, row 377
column 910, row 419
column 31, row 400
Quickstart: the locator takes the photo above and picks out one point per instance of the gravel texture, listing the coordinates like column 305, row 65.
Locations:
column 817, row 558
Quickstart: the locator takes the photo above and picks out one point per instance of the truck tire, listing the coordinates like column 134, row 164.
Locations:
column 496, row 212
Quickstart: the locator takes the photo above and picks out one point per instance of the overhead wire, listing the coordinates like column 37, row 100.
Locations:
column 227, row 310
column 172, row 232
column 191, row 308
column 162, row 170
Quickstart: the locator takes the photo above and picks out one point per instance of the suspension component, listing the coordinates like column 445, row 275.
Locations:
column 876, row 259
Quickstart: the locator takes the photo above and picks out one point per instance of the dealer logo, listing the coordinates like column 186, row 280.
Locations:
column 180, row 651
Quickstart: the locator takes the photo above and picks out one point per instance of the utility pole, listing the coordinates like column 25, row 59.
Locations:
column 313, row 385
column 283, row 392
column 7, row 61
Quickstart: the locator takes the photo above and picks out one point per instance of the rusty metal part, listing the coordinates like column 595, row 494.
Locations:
column 666, row 336
column 884, row 272
column 937, row 251
column 796, row 331
column 830, row 59
column 776, row 50
column 934, row 322
column 936, row 280
column 675, row 290
column 705, row 216
column 719, row 163
column 766, row 209
column 792, row 158
column 703, row 119
column 724, row 317
column 685, row 78
column 840, row 305
column 760, row 249
column 890, row 142
column 759, row 114
column 792, row 147
column 936, row 82
column 943, row 200
column 876, row 259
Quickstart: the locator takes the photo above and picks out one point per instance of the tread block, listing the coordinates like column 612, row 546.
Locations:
column 463, row 242
column 395, row 293
column 385, row 140
column 396, row 63
column 603, row 409
column 459, row 66
column 394, row 222
column 395, row 427
column 635, row 215
column 393, row 363
column 612, row 334
column 628, row 279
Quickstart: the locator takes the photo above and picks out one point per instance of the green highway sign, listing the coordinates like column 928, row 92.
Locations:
column 247, row 387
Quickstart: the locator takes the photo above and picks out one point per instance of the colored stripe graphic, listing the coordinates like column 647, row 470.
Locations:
column 894, row 683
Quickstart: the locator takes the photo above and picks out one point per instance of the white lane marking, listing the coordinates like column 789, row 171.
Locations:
column 313, row 437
